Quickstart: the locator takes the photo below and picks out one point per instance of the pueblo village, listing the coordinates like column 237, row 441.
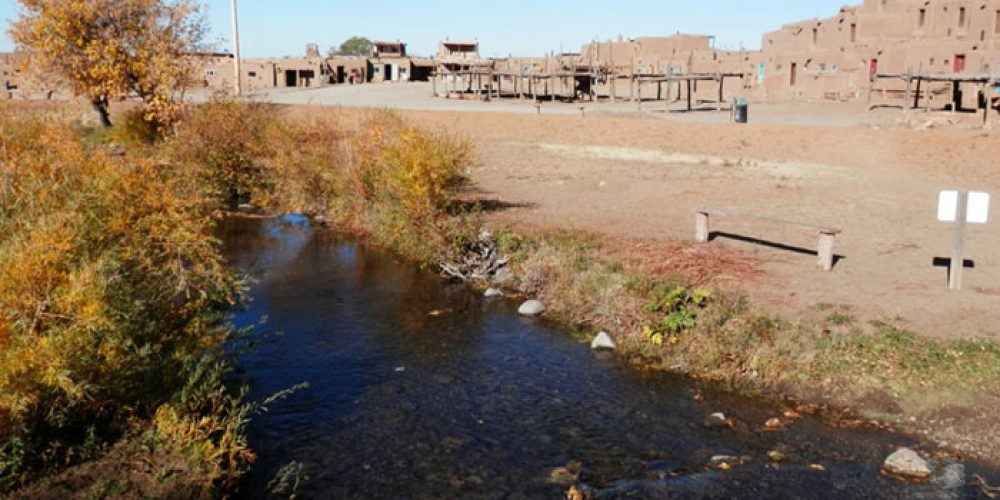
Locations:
column 411, row 265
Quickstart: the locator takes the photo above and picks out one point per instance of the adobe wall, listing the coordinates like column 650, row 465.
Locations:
column 831, row 58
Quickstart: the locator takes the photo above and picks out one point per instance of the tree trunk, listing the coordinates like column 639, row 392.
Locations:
column 101, row 106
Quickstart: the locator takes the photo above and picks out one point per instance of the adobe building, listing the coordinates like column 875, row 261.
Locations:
column 459, row 56
column 305, row 72
column 679, row 54
column 388, row 62
column 835, row 58
column 217, row 72
column 349, row 69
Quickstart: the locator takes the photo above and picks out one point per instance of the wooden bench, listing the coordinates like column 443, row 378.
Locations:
column 826, row 234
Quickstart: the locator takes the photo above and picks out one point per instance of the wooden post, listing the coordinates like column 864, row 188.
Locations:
column 689, row 94
column 909, row 92
column 434, row 85
column 954, row 96
column 825, row 250
column 701, row 227
column 989, row 105
column 722, row 82
column 631, row 88
column 659, row 91
column 916, row 98
column 958, row 242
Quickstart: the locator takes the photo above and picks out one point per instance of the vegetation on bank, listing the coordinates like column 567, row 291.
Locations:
column 113, row 290
column 113, row 295
column 664, row 321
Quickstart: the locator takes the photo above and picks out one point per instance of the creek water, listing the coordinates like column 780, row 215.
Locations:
column 477, row 402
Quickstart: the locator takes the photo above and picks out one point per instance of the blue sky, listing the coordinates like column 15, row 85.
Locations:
column 518, row 27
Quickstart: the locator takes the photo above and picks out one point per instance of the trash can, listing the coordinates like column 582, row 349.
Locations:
column 741, row 108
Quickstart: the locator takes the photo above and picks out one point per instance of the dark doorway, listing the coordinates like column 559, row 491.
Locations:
column 306, row 77
column 341, row 75
column 291, row 78
column 421, row 73
column 388, row 72
column 794, row 74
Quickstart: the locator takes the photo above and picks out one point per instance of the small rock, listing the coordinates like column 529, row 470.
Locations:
column 491, row 293
column 908, row 464
column 776, row 456
column 714, row 421
column 774, row 423
column 320, row 220
column 246, row 208
column 602, row 341
column 531, row 308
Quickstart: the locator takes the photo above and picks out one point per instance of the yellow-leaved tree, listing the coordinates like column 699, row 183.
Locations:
column 107, row 49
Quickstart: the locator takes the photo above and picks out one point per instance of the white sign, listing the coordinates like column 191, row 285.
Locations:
column 978, row 211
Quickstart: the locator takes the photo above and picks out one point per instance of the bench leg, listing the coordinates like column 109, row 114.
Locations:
column 825, row 251
column 701, row 227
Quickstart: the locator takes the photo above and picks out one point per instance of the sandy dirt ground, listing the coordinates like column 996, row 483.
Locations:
column 875, row 175
column 416, row 96
column 644, row 178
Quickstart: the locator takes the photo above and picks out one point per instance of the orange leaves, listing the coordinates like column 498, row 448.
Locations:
column 105, row 49
column 102, row 264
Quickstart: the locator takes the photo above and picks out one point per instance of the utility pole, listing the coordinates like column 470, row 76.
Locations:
column 236, row 52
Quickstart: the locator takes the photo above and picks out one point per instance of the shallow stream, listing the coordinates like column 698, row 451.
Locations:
column 477, row 402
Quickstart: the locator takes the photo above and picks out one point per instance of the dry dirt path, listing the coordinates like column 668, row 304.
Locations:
column 641, row 179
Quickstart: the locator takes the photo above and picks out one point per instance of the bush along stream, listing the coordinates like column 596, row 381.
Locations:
column 118, row 298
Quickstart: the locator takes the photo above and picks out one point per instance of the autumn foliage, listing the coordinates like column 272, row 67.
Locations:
column 111, row 286
column 382, row 177
column 107, row 49
column 113, row 293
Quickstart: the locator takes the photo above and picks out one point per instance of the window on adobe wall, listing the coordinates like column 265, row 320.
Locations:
column 931, row 63
column 854, row 32
column 922, row 18
column 252, row 74
column 961, row 17
column 996, row 23
column 815, row 36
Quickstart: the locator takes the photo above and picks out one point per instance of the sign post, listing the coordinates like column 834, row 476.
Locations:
column 961, row 208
